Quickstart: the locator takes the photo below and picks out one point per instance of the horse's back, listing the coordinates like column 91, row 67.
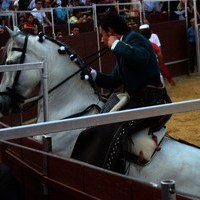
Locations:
column 175, row 160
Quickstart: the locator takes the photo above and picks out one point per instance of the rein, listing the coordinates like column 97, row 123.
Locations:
column 83, row 66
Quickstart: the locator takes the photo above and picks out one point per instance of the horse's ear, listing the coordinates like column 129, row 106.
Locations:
column 10, row 31
column 17, row 38
column 16, row 29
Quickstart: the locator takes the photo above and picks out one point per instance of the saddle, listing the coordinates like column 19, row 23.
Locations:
column 110, row 146
column 115, row 102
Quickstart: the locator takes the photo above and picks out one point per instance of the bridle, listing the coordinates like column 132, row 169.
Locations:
column 17, row 99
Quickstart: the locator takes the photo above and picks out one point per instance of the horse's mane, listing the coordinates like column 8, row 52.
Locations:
column 68, row 51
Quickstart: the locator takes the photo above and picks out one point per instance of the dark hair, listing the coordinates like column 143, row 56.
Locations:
column 39, row 1
column 146, row 32
column 29, row 14
column 114, row 21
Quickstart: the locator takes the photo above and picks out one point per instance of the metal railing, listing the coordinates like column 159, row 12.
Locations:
column 33, row 66
column 93, row 120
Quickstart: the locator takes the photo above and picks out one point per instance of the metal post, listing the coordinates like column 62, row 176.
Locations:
column 98, row 39
column 47, row 143
column 47, row 147
column 168, row 190
column 52, row 24
column 45, row 91
column 197, row 36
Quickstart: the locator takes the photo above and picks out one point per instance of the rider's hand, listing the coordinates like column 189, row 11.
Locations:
column 88, row 72
column 111, row 40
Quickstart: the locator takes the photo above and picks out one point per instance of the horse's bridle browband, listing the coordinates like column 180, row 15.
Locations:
column 73, row 56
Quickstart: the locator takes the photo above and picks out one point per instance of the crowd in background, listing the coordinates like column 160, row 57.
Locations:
column 37, row 14
column 64, row 11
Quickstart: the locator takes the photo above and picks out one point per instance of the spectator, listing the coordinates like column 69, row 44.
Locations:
column 124, row 10
column 2, row 20
column 146, row 32
column 29, row 25
column 181, row 10
column 1, row 30
column 77, row 3
column 60, row 13
column 152, row 7
column 102, row 10
column 190, row 11
column 31, row 5
column 76, row 17
column 75, row 31
column 23, row 4
column 39, row 13
column 191, row 36
column 21, row 20
column 59, row 35
column 6, row 5
column 88, row 11
column 154, row 37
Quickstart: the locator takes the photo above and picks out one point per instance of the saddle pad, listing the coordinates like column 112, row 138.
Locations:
column 115, row 102
column 144, row 142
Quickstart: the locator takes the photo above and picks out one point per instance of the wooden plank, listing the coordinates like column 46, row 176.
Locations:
column 106, row 186
column 144, row 192
column 66, row 172
column 32, row 158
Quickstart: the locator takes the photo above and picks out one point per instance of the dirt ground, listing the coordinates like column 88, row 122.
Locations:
column 185, row 125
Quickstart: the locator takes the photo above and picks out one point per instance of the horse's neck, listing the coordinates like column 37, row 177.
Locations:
column 72, row 97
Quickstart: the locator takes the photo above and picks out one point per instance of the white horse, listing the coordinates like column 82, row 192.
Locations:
column 176, row 160
column 60, row 99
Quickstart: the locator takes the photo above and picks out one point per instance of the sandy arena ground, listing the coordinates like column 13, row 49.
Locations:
column 185, row 125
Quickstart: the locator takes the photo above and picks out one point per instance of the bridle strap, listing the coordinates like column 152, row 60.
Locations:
column 81, row 64
column 12, row 90
column 97, row 52
column 23, row 50
column 104, row 51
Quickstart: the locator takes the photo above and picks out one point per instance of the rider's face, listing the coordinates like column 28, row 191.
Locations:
column 104, row 36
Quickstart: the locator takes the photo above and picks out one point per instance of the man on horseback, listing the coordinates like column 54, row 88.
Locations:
column 138, row 72
column 136, row 67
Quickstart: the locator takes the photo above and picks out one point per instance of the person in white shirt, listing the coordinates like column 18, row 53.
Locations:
column 154, row 37
column 40, row 15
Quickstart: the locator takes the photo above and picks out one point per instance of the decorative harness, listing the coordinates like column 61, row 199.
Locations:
column 17, row 99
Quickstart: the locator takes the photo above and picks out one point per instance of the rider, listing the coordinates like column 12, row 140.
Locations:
column 136, row 67
column 138, row 72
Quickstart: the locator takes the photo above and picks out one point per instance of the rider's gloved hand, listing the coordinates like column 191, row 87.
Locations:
column 87, row 72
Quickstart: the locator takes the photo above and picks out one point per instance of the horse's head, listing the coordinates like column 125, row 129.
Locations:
column 63, row 68
column 16, row 86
